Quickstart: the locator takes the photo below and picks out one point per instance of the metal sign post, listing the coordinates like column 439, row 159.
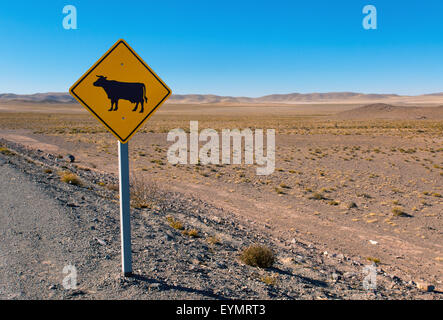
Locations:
column 125, row 220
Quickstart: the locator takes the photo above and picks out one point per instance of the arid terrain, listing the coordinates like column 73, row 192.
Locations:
column 359, row 179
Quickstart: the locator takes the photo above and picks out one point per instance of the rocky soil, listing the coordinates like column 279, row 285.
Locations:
column 168, row 264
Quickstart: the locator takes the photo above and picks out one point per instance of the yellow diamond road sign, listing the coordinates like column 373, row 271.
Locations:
column 121, row 91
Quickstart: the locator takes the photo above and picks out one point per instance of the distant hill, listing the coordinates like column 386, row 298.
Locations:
column 280, row 98
column 309, row 97
column 50, row 97
column 391, row 112
column 291, row 98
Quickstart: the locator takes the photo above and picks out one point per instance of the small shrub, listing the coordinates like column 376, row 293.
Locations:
column 269, row 280
column 159, row 162
column 398, row 212
column 6, row 151
column 193, row 233
column 213, row 240
column 372, row 259
column 175, row 223
column 258, row 256
column 71, row 178
column 351, row 205
column 317, row 196
column 143, row 194
column 112, row 187
column 279, row 191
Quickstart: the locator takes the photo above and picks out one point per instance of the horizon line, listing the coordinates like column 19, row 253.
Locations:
column 249, row 97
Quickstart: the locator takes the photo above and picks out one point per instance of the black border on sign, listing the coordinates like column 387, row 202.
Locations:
column 90, row 109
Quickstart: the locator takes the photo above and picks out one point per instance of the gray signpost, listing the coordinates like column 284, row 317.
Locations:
column 125, row 219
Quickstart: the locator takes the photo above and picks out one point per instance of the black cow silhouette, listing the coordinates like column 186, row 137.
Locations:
column 134, row 92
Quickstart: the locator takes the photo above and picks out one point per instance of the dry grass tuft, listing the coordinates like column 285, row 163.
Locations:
column 351, row 205
column 112, row 187
column 279, row 191
column 193, row 233
column 398, row 212
column 213, row 240
column 269, row 280
column 374, row 260
column 6, row 151
column 143, row 194
column 175, row 223
column 317, row 196
column 71, row 178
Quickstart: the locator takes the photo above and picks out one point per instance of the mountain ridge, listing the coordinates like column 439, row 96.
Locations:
column 61, row 98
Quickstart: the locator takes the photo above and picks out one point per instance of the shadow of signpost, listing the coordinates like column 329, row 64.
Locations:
column 165, row 286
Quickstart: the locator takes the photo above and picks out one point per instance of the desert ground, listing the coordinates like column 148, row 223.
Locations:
column 351, row 179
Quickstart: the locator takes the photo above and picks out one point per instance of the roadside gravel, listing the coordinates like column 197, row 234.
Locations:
column 47, row 224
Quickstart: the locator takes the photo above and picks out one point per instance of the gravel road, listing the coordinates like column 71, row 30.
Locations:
column 47, row 224
column 38, row 238
column 33, row 229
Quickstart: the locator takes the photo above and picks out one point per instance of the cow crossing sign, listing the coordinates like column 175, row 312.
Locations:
column 121, row 91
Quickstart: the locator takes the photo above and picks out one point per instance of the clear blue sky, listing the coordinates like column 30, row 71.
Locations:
column 240, row 48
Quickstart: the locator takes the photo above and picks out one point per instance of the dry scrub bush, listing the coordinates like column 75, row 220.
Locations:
column 270, row 281
column 112, row 187
column 258, row 256
column 193, row 233
column 213, row 240
column 374, row 260
column 6, row 151
column 175, row 223
column 398, row 212
column 143, row 194
column 71, row 178
column 317, row 196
